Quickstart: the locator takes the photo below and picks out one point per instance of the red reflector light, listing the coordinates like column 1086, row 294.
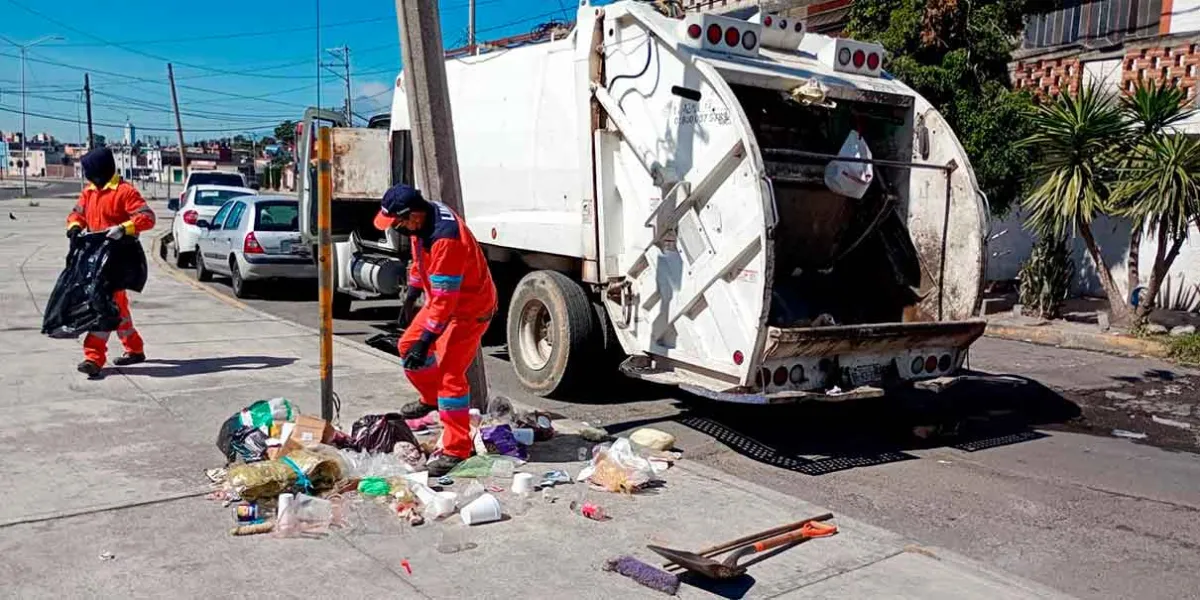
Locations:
column 860, row 57
column 190, row 216
column 694, row 31
column 781, row 376
column 251, row 245
column 931, row 364
column 749, row 40
column 872, row 61
column 738, row 357
column 714, row 34
column 732, row 36
column 767, row 20
column 844, row 56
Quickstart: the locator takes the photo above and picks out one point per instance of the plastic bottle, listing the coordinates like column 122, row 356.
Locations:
column 589, row 510
column 499, row 410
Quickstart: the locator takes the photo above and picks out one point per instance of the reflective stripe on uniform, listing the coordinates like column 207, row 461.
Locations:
column 100, row 335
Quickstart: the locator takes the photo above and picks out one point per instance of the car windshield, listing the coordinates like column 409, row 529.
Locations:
column 277, row 215
column 215, row 197
column 216, row 179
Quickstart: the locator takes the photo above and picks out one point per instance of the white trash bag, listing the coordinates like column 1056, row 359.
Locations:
column 851, row 178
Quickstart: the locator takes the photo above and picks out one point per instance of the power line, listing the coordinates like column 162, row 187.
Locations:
column 228, row 36
column 76, row 120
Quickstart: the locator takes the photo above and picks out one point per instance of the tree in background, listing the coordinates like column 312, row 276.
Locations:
column 1080, row 140
column 955, row 53
column 285, row 132
column 1158, row 182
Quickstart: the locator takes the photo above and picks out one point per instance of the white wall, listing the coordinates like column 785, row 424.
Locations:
column 1185, row 16
column 1008, row 251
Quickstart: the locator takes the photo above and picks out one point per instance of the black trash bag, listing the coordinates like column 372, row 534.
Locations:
column 379, row 433
column 244, row 442
column 82, row 301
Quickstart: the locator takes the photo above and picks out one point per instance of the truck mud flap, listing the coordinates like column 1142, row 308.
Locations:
column 883, row 338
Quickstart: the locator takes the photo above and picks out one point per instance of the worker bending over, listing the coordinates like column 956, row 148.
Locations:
column 441, row 341
column 114, row 207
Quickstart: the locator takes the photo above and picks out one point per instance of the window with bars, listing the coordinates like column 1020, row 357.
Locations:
column 1094, row 21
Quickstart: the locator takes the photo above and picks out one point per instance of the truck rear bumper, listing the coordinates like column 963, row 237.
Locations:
column 936, row 386
column 882, row 338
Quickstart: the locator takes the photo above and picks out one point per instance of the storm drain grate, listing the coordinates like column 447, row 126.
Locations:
column 996, row 442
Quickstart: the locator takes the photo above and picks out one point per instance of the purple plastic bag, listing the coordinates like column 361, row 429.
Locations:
column 499, row 440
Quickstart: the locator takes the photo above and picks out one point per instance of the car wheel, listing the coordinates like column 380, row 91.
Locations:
column 202, row 272
column 182, row 259
column 552, row 333
column 239, row 283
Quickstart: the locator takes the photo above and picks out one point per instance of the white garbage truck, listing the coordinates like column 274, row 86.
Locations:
column 665, row 187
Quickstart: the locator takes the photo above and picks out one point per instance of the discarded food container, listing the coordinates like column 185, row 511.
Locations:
column 522, row 483
column 484, row 509
column 246, row 513
column 440, row 505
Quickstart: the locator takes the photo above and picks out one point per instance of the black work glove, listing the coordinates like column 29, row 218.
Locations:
column 408, row 310
column 73, row 231
column 418, row 352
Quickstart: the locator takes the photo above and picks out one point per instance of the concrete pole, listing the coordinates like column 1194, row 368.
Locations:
column 471, row 27
column 24, row 136
column 178, row 122
column 87, row 91
column 436, row 169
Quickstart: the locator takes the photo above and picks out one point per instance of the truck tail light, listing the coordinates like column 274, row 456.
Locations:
column 796, row 375
column 860, row 57
column 738, row 357
column 944, row 363
column 781, row 376
column 872, row 61
column 768, row 21
column 694, row 31
column 918, row 364
column 931, row 364
column 714, row 34
column 749, row 40
column 783, row 23
column 844, row 56
column 799, row 26
column 190, row 217
column 732, row 36
column 251, row 245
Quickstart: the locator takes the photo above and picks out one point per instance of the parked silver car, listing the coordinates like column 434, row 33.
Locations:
column 253, row 238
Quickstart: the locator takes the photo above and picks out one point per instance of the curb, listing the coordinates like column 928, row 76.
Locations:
column 1096, row 342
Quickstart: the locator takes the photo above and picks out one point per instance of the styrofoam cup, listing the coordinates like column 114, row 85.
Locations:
column 483, row 509
column 522, row 483
column 524, row 436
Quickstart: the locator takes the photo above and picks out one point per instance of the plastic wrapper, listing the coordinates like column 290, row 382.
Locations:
column 617, row 468
column 236, row 438
column 310, row 516
column 314, row 471
column 498, row 439
column 380, row 433
column 851, row 178
column 479, row 465
column 361, row 465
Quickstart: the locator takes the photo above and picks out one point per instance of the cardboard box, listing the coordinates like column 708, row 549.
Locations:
column 306, row 431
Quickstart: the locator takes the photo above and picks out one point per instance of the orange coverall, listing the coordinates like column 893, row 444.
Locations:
column 118, row 203
column 460, row 299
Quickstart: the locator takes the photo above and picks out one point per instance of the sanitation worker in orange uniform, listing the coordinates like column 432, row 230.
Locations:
column 114, row 207
column 460, row 299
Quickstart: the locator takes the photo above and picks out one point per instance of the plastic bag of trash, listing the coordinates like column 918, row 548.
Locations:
column 81, row 300
column 499, row 439
column 235, row 438
column 851, row 178
column 380, row 433
column 306, row 470
column 361, row 465
column 617, row 468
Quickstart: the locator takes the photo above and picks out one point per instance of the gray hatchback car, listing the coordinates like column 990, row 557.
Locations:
column 254, row 238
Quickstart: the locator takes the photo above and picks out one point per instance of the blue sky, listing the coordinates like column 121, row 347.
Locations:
column 240, row 66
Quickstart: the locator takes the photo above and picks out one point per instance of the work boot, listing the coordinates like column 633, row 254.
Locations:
column 129, row 358
column 88, row 368
column 416, row 410
column 442, row 465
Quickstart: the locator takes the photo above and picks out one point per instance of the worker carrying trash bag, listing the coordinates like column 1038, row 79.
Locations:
column 114, row 207
column 443, row 338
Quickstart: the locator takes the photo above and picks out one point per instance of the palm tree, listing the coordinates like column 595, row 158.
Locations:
column 1153, row 109
column 1160, row 188
column 1078, row 138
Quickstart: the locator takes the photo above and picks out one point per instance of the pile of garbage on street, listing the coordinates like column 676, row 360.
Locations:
column 290, row 474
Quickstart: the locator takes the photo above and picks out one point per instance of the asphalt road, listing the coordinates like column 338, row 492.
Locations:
column 11, row 189
column 1029, row 479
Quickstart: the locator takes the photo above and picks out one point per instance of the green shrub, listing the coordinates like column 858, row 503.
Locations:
column 1046, row 278
column 1186, row 348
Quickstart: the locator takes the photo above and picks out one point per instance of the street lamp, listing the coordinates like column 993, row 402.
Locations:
column 24, row 136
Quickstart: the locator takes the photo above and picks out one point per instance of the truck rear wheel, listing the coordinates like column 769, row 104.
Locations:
column 552, row 332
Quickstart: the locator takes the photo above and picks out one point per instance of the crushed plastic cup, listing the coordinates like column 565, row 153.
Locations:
column 503, row 468
column 484, row 509
column 441, row 505
column 522, row 483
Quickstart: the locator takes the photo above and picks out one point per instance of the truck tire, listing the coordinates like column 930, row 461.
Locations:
column 552, row 332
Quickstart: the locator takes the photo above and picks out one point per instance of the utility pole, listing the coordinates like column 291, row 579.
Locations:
column 471, row 27
column 433, row 127
column 87, row 92
column 178, row 122
column 318, row 54
column 24, row 138
column 344, row 54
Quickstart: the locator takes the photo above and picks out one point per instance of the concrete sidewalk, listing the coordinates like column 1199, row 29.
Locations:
column 116, row 466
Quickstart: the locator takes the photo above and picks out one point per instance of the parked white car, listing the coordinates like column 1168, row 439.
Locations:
column 199, row 202
column 254, row 238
